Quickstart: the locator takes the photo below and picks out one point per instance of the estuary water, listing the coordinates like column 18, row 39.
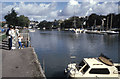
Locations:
column 55, row 48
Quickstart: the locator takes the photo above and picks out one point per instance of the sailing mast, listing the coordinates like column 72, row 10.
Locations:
column 107, row 22
column 111, row 22
column 74, row 19
column 94, row 24
column 103, row 23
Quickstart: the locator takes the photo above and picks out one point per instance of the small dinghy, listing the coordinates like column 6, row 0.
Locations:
column 105, row 60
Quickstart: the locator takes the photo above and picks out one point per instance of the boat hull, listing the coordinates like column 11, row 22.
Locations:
column 112, row 32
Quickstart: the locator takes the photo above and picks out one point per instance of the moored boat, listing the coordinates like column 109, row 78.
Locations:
column 77, row 31
column 38, row 28
column 93, row 67
column 111, row 32
column 94, row 32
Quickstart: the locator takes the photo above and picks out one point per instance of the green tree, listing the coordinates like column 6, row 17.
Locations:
column 23, row 21
column 47, row 25
column 92, row 18
column 11, row 18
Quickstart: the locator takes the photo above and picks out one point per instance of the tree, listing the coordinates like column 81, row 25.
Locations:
column 11, row 18
column 23, row 21
column 47, row 25
column 94, row 17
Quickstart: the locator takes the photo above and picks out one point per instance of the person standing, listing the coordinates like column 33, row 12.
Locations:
column 17, row 31
column 10, row 38
column 19, row 41
column 13, row 38
column 16, row 36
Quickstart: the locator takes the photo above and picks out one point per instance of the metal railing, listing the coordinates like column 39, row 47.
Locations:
column 26, row 39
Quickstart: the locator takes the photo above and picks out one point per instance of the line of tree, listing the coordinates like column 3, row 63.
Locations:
column 111, row 20
column 45, row 24
column 85, row 22
column 12, row 18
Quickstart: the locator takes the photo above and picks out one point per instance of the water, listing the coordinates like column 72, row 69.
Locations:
column 56, row 47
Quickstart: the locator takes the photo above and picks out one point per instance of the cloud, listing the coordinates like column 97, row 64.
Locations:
column 73, row 2
column 55, row 0
column 49, row 11
column 33, row 10
column 71, row 8
column 98, row 0
column 0, row 11
column 88, row 7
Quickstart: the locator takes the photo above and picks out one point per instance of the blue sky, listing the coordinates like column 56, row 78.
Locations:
column 60, row 5
column 56, row 0
column 38, row 10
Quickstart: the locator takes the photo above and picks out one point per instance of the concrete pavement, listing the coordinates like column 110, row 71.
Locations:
column 21, row 63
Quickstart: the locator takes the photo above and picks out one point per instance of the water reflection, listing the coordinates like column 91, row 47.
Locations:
column 55, row 48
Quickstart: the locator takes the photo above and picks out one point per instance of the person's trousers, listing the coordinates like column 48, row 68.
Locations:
column 20, row 44
column 10, row 43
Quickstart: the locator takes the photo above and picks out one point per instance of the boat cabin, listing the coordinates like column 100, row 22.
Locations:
column 92, row 67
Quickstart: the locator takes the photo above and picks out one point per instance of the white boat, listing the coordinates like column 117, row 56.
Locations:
column 66, row 29
column 93, row 32
column 103, row 32
column 84, row 31
column 77, row 31
column 111, row 32
column 93, row 67
column 58, row 29
column 44, row 28
column 96, row 32
column 38, row 28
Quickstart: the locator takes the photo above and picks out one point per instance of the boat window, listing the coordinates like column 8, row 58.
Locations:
column 118, row 67
column 82, row 63
column 99, row 71
column 85, row 68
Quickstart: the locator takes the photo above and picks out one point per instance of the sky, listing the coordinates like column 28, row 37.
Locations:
column 51, row 10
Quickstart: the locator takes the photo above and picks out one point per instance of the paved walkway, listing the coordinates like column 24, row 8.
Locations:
column 20, row 63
